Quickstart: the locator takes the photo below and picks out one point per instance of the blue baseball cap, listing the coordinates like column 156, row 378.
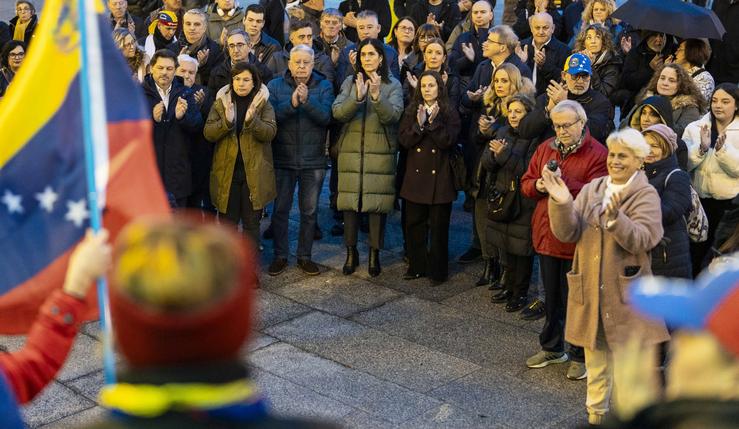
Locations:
column 578, row 63
column 711, row 303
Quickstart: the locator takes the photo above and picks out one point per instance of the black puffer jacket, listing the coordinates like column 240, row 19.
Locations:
column 671, row 258
column 515, row 235
column 607, row 73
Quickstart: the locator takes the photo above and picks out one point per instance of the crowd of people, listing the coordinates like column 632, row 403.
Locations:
column 518, row 118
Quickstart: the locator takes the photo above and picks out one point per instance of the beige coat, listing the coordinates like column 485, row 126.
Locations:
column 597, row 282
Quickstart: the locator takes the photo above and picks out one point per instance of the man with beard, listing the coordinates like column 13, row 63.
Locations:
column 575, row 86
column 120, row 18
column 199, row 46
column 238, row 48
column 175, row 114
column 161, row 34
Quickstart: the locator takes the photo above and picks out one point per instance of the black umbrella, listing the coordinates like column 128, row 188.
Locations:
column 681, row 19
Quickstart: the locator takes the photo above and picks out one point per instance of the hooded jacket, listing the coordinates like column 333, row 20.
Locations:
column 685, row 109
column 663, row 107
column 715, row 173
column 606, row 73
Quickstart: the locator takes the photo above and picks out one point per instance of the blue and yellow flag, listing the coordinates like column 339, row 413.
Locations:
column 43, row 188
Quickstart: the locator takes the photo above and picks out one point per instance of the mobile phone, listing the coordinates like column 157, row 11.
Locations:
column 552, row 165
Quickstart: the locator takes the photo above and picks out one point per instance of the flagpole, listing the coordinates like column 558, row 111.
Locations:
column 94, row 126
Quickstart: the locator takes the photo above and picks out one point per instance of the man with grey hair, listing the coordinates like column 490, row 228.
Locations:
column 238, row 50
column 575, row 86
column 302, row 100
column 198, row 45
column 543, row 53
column 575, row 156
column 121, row 18
column 331, row 39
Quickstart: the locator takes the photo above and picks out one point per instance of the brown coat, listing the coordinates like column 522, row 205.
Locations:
column 597, row 282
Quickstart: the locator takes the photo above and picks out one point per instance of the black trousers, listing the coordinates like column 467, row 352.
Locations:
column 699, row 252
column 240, row 209
column 427, row 231
column 519, row 273
column 554, row 277
column 376, row 228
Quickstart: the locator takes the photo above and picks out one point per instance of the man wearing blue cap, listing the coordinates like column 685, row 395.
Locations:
column 575, row 86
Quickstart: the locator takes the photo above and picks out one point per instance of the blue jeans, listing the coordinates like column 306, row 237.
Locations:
column 309, row 183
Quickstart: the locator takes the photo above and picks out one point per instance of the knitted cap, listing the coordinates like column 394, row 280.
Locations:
column 166, row 18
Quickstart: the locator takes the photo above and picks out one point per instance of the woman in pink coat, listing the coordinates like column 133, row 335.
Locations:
column 615, row 221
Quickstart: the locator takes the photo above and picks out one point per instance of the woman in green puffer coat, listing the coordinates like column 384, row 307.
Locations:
column 370, row 105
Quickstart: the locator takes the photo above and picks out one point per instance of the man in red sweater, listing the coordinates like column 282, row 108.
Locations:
column 577, row 158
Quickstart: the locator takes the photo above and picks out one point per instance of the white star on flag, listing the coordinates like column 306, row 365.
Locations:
column 47, row 199
column 77, row 212
column 13, row 202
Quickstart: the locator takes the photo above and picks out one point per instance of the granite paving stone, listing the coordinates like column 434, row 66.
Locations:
column 447, row 416
column 382, row 399
column 86, row 356
column 55, row 402
column 84, row 417
column 274, row 309
column 88, row 385
column 382, row 355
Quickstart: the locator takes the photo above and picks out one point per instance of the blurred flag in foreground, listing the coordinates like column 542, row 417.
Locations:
column 43, row 190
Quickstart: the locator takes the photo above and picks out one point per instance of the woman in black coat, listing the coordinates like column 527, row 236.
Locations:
column 428, row 131
column 671, row 258
column 509, row 227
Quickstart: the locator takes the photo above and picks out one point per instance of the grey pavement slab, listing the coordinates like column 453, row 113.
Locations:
column 86, row 356
column 258, row 341
column 274, row 309
column 377, row 353
column 76, row 420
column 448, row 416
column 485, row 342
column 459, row 281
column 88, row 385
column 290, row 399
column 476, row 300
column 334, row 293
column 383, row 400
column 505, row 399
column 54, row 403
column 363, row 420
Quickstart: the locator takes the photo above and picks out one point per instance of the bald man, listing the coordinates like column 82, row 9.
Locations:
column 544, row 54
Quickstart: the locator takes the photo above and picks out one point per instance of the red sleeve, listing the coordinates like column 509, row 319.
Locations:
column 533, row 172
column 30, row 369
column 596, row 167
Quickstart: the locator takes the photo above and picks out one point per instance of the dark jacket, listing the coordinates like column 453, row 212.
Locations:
column 171, row 136
column 523, row 29
column 671, row 258
column 266, row 46
column 154, row 15
column 203, row 373
column 724, row 64
column 458, row 61
column 201, row 156
column 513, row 236
column 344, row 68
column 449, row 15
column 321, row 62
column 274, row 17
column 220, row 75
column 301, row 137
column 664, row 109
column 571, row 17
column 428, row 174
column 6, row 76
column 30, row 28
column 636, row 71
column 380, row 7
column 5, row 35
column 215, row 57
column 453, row 85
column 606, row 73
column 140, row 29
column 579, row 168
column 484, row 75
column 556, row 54
column 597, row 108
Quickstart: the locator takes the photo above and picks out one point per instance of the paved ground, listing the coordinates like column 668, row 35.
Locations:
column 370, row 352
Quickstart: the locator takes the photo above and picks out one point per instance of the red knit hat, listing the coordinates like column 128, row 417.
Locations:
column 151, row 331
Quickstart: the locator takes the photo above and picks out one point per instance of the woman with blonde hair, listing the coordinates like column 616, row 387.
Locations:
column 136, row 58
column 507, row 81
column 599, row 12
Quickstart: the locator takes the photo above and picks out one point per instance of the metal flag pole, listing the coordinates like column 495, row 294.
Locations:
column 95, row 135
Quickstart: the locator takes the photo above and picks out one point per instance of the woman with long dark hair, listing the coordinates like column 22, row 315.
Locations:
column 242, row 125
column 428, row 131
column 434, row 58
column 370, row 105
column 402, row 38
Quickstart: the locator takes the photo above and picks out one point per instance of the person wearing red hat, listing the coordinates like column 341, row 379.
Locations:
column 182, row 301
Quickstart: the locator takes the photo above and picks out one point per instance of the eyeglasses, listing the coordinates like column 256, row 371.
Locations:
column 23, row 9
column 236, row 45
column 580, row 76
column 427, row 37
column 16, row 55
column 405, row 28
column 560, row 127
column 494, row 41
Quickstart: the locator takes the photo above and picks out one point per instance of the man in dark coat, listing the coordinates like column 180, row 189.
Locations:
column 351, row 10
column 30, row 27
column 640, row 64
column 120, row 18
column 576, row 86
column 237, row 45
column 466, row 53
column 262, row 45
column 175, row 114
column 445, row 13
column 199, row 46
column 724, row 64
column 544, row 54
column 275, row 18
column 302, row 102
column 301, row 33
column 368, row 28
column 5, row 35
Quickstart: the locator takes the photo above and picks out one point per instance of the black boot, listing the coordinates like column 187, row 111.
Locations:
column 499, row 282
column 374, row 262
column 352, row 260
column 490, row 274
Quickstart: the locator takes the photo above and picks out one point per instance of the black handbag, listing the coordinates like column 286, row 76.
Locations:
column 459, row 171
column 504, row 205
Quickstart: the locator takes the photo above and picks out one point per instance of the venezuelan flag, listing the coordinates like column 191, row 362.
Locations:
column 43, row 188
